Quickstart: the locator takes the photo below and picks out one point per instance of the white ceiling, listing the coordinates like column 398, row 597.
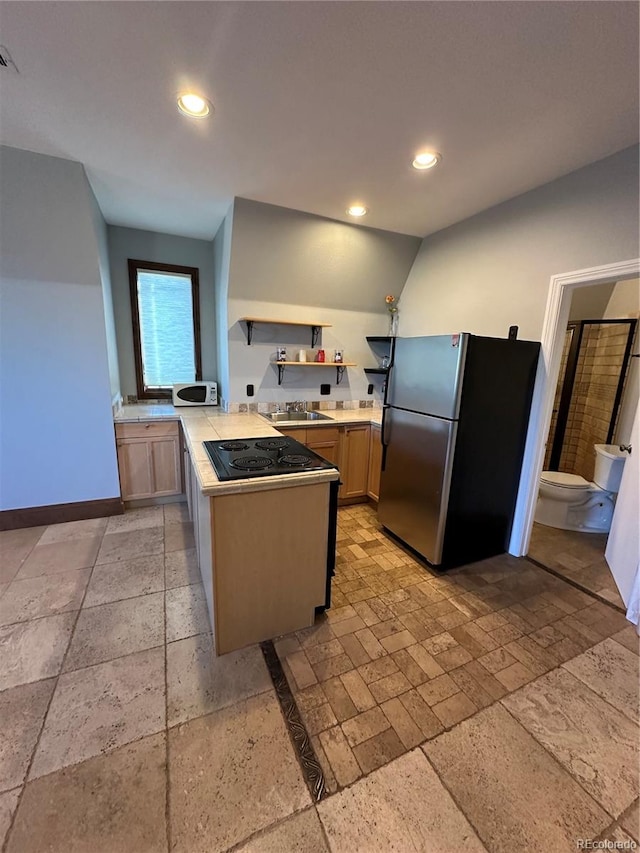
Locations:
column 318, row 104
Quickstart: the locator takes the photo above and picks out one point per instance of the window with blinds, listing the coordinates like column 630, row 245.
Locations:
column 164, row 305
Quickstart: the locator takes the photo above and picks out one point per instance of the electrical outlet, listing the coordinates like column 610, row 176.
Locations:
column 325, row 388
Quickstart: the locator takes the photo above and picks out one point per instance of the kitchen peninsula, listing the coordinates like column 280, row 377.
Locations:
column 262, row 544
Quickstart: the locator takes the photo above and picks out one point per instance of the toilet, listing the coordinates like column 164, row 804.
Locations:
column 570, row 502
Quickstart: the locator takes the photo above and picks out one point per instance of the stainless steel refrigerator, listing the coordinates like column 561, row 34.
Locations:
column 453, row 432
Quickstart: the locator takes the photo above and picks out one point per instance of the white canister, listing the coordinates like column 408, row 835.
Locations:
column 302, row 355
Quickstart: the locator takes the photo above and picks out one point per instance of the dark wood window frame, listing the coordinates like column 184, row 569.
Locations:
column 134, row 267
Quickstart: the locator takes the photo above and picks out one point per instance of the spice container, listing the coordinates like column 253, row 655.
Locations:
column 302, row 355
column 338, row 356
column 320, row 356
column 281, row 354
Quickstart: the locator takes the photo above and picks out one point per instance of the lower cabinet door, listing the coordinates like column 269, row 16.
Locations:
column 150, row 466
column 354, row 464
column 375, row 463
column 134, row 463
column 165, row 465
column 325, row 441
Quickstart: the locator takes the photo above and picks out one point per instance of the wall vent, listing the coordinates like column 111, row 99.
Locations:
column 6, row 63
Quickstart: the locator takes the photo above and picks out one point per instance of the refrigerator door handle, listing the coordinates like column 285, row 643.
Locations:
column 385, row 409
column 382, row 437
column 387, row 380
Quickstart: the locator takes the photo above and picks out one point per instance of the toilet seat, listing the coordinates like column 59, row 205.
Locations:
column 567, row 481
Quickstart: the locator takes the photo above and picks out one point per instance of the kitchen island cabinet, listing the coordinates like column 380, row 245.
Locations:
column 149, row 459
column 263, row 551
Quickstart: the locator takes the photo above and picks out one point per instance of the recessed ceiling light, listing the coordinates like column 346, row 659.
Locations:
column 194, row 105
column 357, row 210
column 426, row 160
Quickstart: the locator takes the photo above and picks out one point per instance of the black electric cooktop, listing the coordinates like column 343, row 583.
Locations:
column 243, row 458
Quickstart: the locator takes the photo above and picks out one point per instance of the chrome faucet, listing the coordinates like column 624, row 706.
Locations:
column 298, row 406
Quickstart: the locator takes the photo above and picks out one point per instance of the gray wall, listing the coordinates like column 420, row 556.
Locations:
column 290, row 265
column 125, row 243
column 100, row 230
column 57, row 442
column 294, row 258
column 590, row 303
column 492, row 270
column 221, row 261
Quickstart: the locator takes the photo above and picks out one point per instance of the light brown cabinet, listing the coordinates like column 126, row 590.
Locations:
column 149, row 459
column 347, row 447
column 375, row 463
column 325, row 441
column 354, row 461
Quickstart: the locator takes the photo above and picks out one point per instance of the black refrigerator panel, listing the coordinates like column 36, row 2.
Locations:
column 426, row 373
column 495, row 405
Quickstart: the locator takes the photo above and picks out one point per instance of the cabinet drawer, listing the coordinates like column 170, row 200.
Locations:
column 322, row 433
column 147, row 429
column 299, row 434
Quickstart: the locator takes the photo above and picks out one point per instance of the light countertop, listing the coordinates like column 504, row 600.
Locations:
column 207, row 423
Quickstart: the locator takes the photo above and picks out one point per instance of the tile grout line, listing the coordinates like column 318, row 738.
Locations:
column 617, row 824
column 556, row 760
column 453, row 799
column 167, row 807
column 26, row 780
column 265, row 830
column 574, row 584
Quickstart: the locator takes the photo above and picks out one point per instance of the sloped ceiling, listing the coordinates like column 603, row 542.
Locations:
column 318, row 104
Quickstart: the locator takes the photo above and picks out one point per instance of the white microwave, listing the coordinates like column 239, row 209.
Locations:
column 195, row 394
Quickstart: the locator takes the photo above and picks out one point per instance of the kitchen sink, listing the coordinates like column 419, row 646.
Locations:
column 295, row 417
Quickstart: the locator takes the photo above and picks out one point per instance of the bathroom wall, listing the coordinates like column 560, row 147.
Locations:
column 596, row 382
column 617, row 300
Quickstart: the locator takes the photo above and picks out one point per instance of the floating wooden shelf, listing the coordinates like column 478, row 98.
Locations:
column 315, row 327
column 339, row 365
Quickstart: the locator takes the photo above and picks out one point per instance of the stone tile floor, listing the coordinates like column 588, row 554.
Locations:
column 491, row 708
column 579, row 557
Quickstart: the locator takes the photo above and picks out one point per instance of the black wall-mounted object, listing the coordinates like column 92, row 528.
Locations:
column 513, row 333
column 370, row 388
column 250, row 391
column 325, row 388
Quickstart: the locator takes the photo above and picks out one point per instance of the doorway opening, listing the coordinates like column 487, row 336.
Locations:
column 591, row 406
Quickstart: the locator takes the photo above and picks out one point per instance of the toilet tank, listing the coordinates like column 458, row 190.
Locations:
column 609, row 465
